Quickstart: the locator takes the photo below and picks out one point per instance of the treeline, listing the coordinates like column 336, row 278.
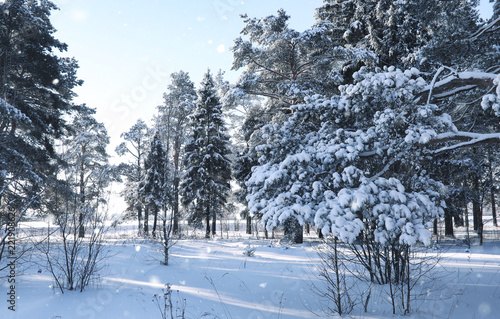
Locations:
column 380, row 108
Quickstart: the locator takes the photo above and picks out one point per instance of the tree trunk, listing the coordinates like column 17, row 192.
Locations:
column 480, row 233
column 214, row 224
column 139, row 218
column 146, row 221
column 249, row 225
column 493, row 207
column 466, row 217
column 493, row 204
column 207, row 219
column 476, row 203
column 293, row 230
column 165, row 253
column 476, row 214
column 166, row 237
column 320, row 234
column 175, row 204
column 139, row 179
column 155, row 221
column 81, row 227
column 448, row 223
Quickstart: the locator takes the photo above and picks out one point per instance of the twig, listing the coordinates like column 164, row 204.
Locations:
column 226, row 311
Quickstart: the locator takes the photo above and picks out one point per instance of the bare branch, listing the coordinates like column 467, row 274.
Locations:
column 269, row 70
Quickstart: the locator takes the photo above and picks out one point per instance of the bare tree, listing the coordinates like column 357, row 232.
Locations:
column 332, row 272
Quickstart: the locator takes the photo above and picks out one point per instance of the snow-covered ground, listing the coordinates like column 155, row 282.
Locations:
column 214, row 279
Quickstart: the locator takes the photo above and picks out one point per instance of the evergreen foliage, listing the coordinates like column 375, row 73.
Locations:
column 137, row 141
column 35, row 98
column 156, row 190
column 397, row 30
column 87, row 160
column 172, row 122
column 286, row 65
column 205, row 183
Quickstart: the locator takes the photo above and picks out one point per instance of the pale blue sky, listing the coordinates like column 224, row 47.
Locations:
column 127, row 49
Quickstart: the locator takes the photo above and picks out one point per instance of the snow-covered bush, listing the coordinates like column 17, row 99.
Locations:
column 249, row 251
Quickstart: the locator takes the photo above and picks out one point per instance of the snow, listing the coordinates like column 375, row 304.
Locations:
column 217, row 280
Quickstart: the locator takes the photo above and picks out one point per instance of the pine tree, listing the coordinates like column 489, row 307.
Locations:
column 86, row 156
column 137, row 141
column 35, row 98
column 283, row 64
column 155, row 189
column 352, row 166
column 397, row 30
column 205, row 184
column 179, row 103
column 496, row 9
column 465, row 43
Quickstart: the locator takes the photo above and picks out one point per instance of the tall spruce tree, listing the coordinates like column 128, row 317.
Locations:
column 155, row 189
column 205, row 185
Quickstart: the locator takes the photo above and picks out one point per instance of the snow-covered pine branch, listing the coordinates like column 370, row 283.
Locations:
column 456, row 83
column 488, row 28
column 467, row 138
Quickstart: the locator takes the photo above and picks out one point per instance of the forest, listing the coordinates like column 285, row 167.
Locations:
column 370, row 140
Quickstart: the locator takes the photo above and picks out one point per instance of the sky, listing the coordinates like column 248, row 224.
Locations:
column 127, row 49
